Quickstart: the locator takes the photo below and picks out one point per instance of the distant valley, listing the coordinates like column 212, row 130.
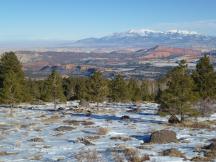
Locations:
column 143, row 63
column 134, row 53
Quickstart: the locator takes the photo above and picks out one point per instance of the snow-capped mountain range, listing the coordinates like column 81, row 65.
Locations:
column 146, row 32
column 147, row 38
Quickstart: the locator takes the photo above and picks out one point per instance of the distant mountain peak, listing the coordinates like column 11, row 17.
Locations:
column 172, row 31
column 146, row 38
column 143, row 31
column 184, row 32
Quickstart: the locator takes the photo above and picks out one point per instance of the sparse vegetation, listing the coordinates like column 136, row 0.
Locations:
column 89, row 155
column 173, row 152
column 133, row 155
column 102, row 131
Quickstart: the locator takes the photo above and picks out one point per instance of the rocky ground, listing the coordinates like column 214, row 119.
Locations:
column 111, row 132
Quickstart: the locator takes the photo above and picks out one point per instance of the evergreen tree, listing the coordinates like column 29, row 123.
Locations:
column 10, row 93
column 12, row 82
column 205, row 81
column 205, row 78
column 69, row 88
column 52, row 89
column 97, row 87
column 145, row 94
column 179, row 95
column 33, row 89
column 134, row 92
column 118, row 89
column 81, row 91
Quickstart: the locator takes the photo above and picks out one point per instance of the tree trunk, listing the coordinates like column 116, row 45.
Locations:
column 182, row 117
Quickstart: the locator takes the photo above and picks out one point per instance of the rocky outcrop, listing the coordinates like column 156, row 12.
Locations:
column 163, row 136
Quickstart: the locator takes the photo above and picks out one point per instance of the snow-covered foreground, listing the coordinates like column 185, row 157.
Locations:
column 42, row 135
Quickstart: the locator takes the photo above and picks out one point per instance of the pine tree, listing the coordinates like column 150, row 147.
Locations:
column 33, row 89
column 205, row 78
column 69, row 88
column 97, row 87
column 205, row 81
column 179, row 95
column 81, row 91
column 12, row 81
column 10, row 90
column 134, row 92
column 145, row 94
column 118, row 89
column 52, row 89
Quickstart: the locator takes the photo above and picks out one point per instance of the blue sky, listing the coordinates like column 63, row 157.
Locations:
column 76, row 19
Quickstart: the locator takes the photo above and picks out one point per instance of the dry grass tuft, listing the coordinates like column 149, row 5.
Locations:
column 102, row 131
column 4, row 153
column 173, row 152
column 78, row 122
column 88, row 123
column 117, row 157
column 89, row 156
column 64, row 128
column 92, row 138
column 52, row 119
column 133, row 155
column 37, row 157
column 195, row 125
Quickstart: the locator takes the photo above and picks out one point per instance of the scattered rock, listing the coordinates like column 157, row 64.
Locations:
column 88, row 113
column 163, row 136
column 60, row 108
column 173, row 119
column 85, row 141
column 213, row 140
column 134, row 110
column 64, row 128
column 211, row 146
column 125, row 117
column 210, row 151
column 121, row 138
column 199, row 159
column 173, row 152
column 36, row 139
